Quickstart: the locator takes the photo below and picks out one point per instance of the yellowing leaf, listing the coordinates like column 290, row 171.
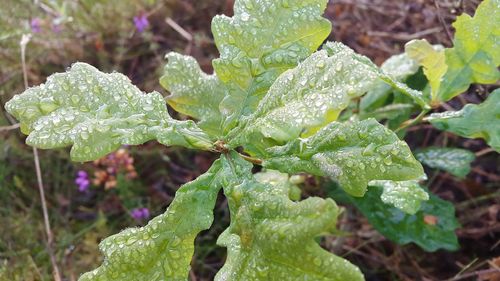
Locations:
column 272, row 237
column 193, row 92
column 433, row 61
column 473, row 121
column 351, row 153
column 163, row 249
column 96, row 113
column 475, row 55
column 262, row 40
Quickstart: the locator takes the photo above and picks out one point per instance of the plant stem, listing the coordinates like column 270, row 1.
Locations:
column 8, row 128
column 253, row 160
column 50, row 238
column 413, row 121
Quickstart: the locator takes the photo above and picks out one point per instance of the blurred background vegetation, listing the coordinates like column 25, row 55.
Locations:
column 132, row 37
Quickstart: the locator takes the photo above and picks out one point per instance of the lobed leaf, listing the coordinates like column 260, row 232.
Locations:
column 473, row 121
column 352, row 153
column 96, row 113
column 273, row 238
column 404, row 195
column 456, row 161
column 313, row 94
column 474, row 58
column 161, row 250
column 433, row 60
column 193, row 92
column 263, row 39
column 432, row 227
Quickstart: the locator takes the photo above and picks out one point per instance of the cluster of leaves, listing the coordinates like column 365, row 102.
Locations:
column 282, row 104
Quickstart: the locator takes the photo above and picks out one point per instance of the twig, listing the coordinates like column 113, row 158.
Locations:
column 8, row 128
column 405, row 36
column 50, row 239
column 484, row 151
column 472, row 274
column 192, row 276
column 476, row 200
column 441, row 20
column 179, row 29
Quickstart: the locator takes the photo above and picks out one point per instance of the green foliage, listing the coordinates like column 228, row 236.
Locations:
column 193, row 92
column 313, row 94
column 262, row 40
column 473, row 121
column 96, row 113
column 404, row 195
column 456, row 161
column 281, row 102
column 272, row 237
column 352, row 153
column 403, row 228
column 385, row 103
column 161, row 250
column 474, row 58
column 433, row 60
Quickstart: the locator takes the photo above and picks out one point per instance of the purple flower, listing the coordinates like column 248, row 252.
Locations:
column 141, row 22
column 56, row 28
column 35, row 25
column 140, row 213
column 82, row 180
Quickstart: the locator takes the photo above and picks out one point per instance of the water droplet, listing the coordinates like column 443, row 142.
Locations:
column 84, row 135
column 245, row 16
column 388, row 160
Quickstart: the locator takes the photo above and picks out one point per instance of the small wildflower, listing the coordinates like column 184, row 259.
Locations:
column 140, row 213
column 110, row 167
column 56, row 28
column 36, row 25
column 141, row 22
column 82, row 180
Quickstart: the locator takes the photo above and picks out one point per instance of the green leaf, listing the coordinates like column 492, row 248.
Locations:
column 405, row 228
column 404, row 195
column 456, row 161
column 388, row 105
column 474, row 58
column 352, row 153
column 433, row 61
column 262, row 40
column 473, row 121
column 273, row 238
column 274, row 178
column 193, row 92
column 96, row 113
column 163, row 249
column 313, row 94
column 400, row 67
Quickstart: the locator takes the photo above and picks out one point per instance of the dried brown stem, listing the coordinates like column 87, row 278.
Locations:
column 50, row 238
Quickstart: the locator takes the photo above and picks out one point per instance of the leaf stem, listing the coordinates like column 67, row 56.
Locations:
column 252, row 160
column 414, row 121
